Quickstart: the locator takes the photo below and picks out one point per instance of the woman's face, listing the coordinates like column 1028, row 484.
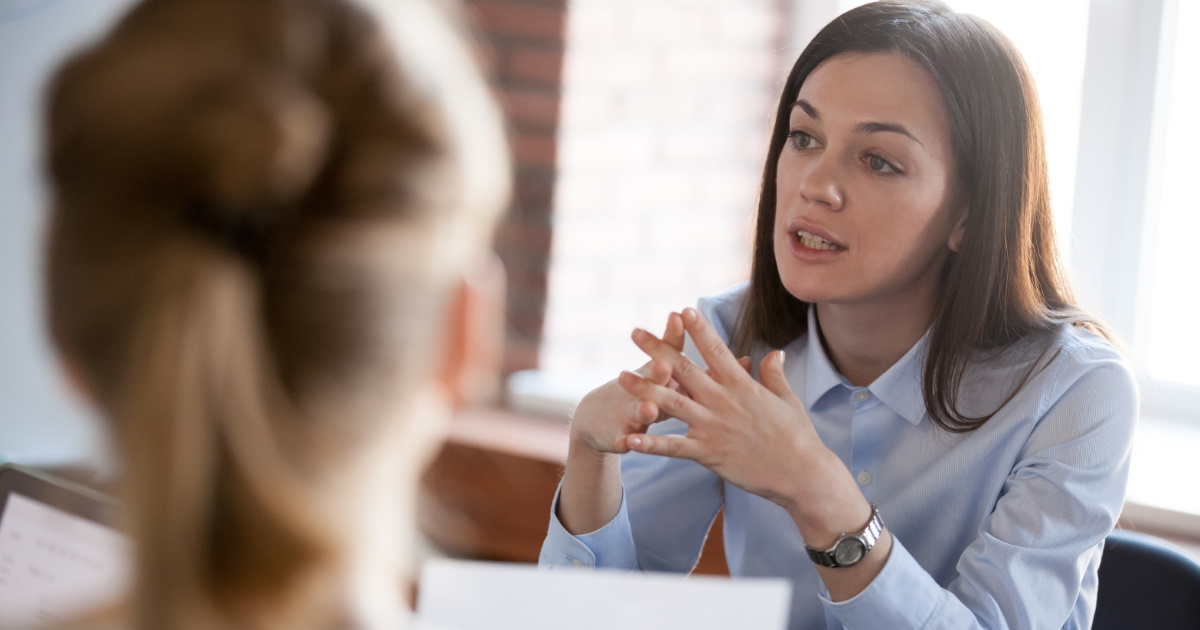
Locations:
column 865, row 199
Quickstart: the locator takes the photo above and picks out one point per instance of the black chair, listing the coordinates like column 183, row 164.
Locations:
column 1146, row 582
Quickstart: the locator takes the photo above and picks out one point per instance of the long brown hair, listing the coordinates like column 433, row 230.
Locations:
column 1006, row 281
column 259, row 210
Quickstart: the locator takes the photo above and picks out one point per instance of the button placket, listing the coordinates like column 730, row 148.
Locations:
column 865, row 435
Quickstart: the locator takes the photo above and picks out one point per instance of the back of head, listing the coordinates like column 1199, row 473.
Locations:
column 259, row 210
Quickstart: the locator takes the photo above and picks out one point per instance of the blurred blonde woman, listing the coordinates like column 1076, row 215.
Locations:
column 268, row 267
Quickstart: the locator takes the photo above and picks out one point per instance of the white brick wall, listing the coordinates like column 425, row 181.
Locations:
column 663, row 128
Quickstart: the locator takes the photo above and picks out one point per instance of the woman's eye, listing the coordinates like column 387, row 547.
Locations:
column 880, row 165
column 801, row 140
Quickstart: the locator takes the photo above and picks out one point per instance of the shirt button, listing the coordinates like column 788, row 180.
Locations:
column 862, row 396
column 864, row 478
column 577, row 564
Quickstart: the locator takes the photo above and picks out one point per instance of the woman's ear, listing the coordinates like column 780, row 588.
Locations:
column 77, row 381
column 473, row 342
column 956, row 235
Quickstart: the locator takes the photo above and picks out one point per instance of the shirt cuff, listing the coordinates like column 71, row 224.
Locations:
column 610, row 547
column 903, row 595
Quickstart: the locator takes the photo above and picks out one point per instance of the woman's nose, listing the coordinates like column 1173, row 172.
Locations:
column 821, row 185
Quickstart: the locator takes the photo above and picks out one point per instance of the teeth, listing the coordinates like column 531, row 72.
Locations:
column 812, row 241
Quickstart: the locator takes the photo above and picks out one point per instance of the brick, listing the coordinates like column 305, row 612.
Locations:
column 747, row 22
column 660, row 190
column 590, row 23
column 519, row 354
column 590, row 69
column 581, row 192
column 534, row 64
column 598, row 109
column 596, row 239
column 667, row 25
column 529, row 214
column 624, row 149
column 667, row 103
column 535, row 110
column 719, row 67
column 525, row 237
column 533, row 22
column 534, row 149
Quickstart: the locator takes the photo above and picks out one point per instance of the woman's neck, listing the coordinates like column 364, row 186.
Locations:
column 864, row 341
column 379, row 551
column 375, row 497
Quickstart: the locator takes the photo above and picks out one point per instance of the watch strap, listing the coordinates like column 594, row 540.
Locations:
column 867, row 538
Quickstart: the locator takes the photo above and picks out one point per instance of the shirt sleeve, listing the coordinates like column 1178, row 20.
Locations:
column 667, row 507
column 611, row 546
column 1036, row 554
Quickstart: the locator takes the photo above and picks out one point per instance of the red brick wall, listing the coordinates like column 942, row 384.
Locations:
column 524, row 41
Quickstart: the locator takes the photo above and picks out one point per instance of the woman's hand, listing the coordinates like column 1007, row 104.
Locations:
column 755, row 435
column 604, row 420
column 608, row 413
column 759, row 438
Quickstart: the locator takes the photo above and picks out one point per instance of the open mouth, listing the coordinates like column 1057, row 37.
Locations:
column 812, row 241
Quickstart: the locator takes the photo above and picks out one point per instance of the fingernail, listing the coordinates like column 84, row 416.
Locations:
column 781, row 357
column 689, row 314
column 634, row 440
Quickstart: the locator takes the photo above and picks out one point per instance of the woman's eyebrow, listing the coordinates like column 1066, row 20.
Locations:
column 808, row 109
column 878, row 127
column 863, row 127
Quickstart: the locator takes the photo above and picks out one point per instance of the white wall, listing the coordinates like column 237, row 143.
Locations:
column 39, row 422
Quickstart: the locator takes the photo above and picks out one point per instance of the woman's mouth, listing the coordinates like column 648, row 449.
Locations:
column 812, row 241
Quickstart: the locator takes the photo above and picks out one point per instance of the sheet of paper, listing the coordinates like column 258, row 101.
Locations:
column 55, row 565
column 458, row 595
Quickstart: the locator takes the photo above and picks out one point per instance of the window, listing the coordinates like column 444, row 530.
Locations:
column 1172, row 344
column 1135, row 266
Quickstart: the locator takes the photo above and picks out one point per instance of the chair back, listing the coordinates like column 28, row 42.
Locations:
column 1146, row 582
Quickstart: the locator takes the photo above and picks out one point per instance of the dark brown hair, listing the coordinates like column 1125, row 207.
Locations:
column 260, row 208
column 1006, row 281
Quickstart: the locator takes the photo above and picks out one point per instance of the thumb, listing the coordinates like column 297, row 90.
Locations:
column 770, row 372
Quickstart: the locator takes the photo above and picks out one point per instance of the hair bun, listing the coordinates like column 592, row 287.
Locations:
column 260, row 144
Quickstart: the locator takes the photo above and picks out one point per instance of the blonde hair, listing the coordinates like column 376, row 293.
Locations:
column 259, row 208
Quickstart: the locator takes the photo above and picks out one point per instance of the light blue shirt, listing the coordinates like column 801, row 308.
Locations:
column 1001, row 527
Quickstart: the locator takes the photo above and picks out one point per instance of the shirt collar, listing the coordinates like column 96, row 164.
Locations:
column 820, row 376
column 899, row 387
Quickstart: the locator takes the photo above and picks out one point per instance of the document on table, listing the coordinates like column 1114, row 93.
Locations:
column 462, row 595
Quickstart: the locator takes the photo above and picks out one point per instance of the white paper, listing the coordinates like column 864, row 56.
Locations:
column 55, row 565
column 462, row 595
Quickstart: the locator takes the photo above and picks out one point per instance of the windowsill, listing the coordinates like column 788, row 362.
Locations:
column 1162, row 498
column 1162, row 492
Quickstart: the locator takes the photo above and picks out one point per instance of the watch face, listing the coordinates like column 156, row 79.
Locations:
column 848, row 551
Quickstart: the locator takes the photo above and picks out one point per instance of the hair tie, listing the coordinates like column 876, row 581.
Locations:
column 245, row 231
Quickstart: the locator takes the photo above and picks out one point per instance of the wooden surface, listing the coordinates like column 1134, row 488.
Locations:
column 488, row 494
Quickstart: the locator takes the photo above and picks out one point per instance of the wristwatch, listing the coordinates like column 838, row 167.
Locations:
column 849, row 550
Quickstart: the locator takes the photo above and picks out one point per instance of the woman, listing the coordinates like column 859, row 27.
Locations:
column 947, row 443
column 268, row 267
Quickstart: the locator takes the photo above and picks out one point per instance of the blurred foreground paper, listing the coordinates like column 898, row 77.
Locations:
column 459, row 595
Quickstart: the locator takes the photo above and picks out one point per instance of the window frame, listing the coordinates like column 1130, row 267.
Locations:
column 1127, row 76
